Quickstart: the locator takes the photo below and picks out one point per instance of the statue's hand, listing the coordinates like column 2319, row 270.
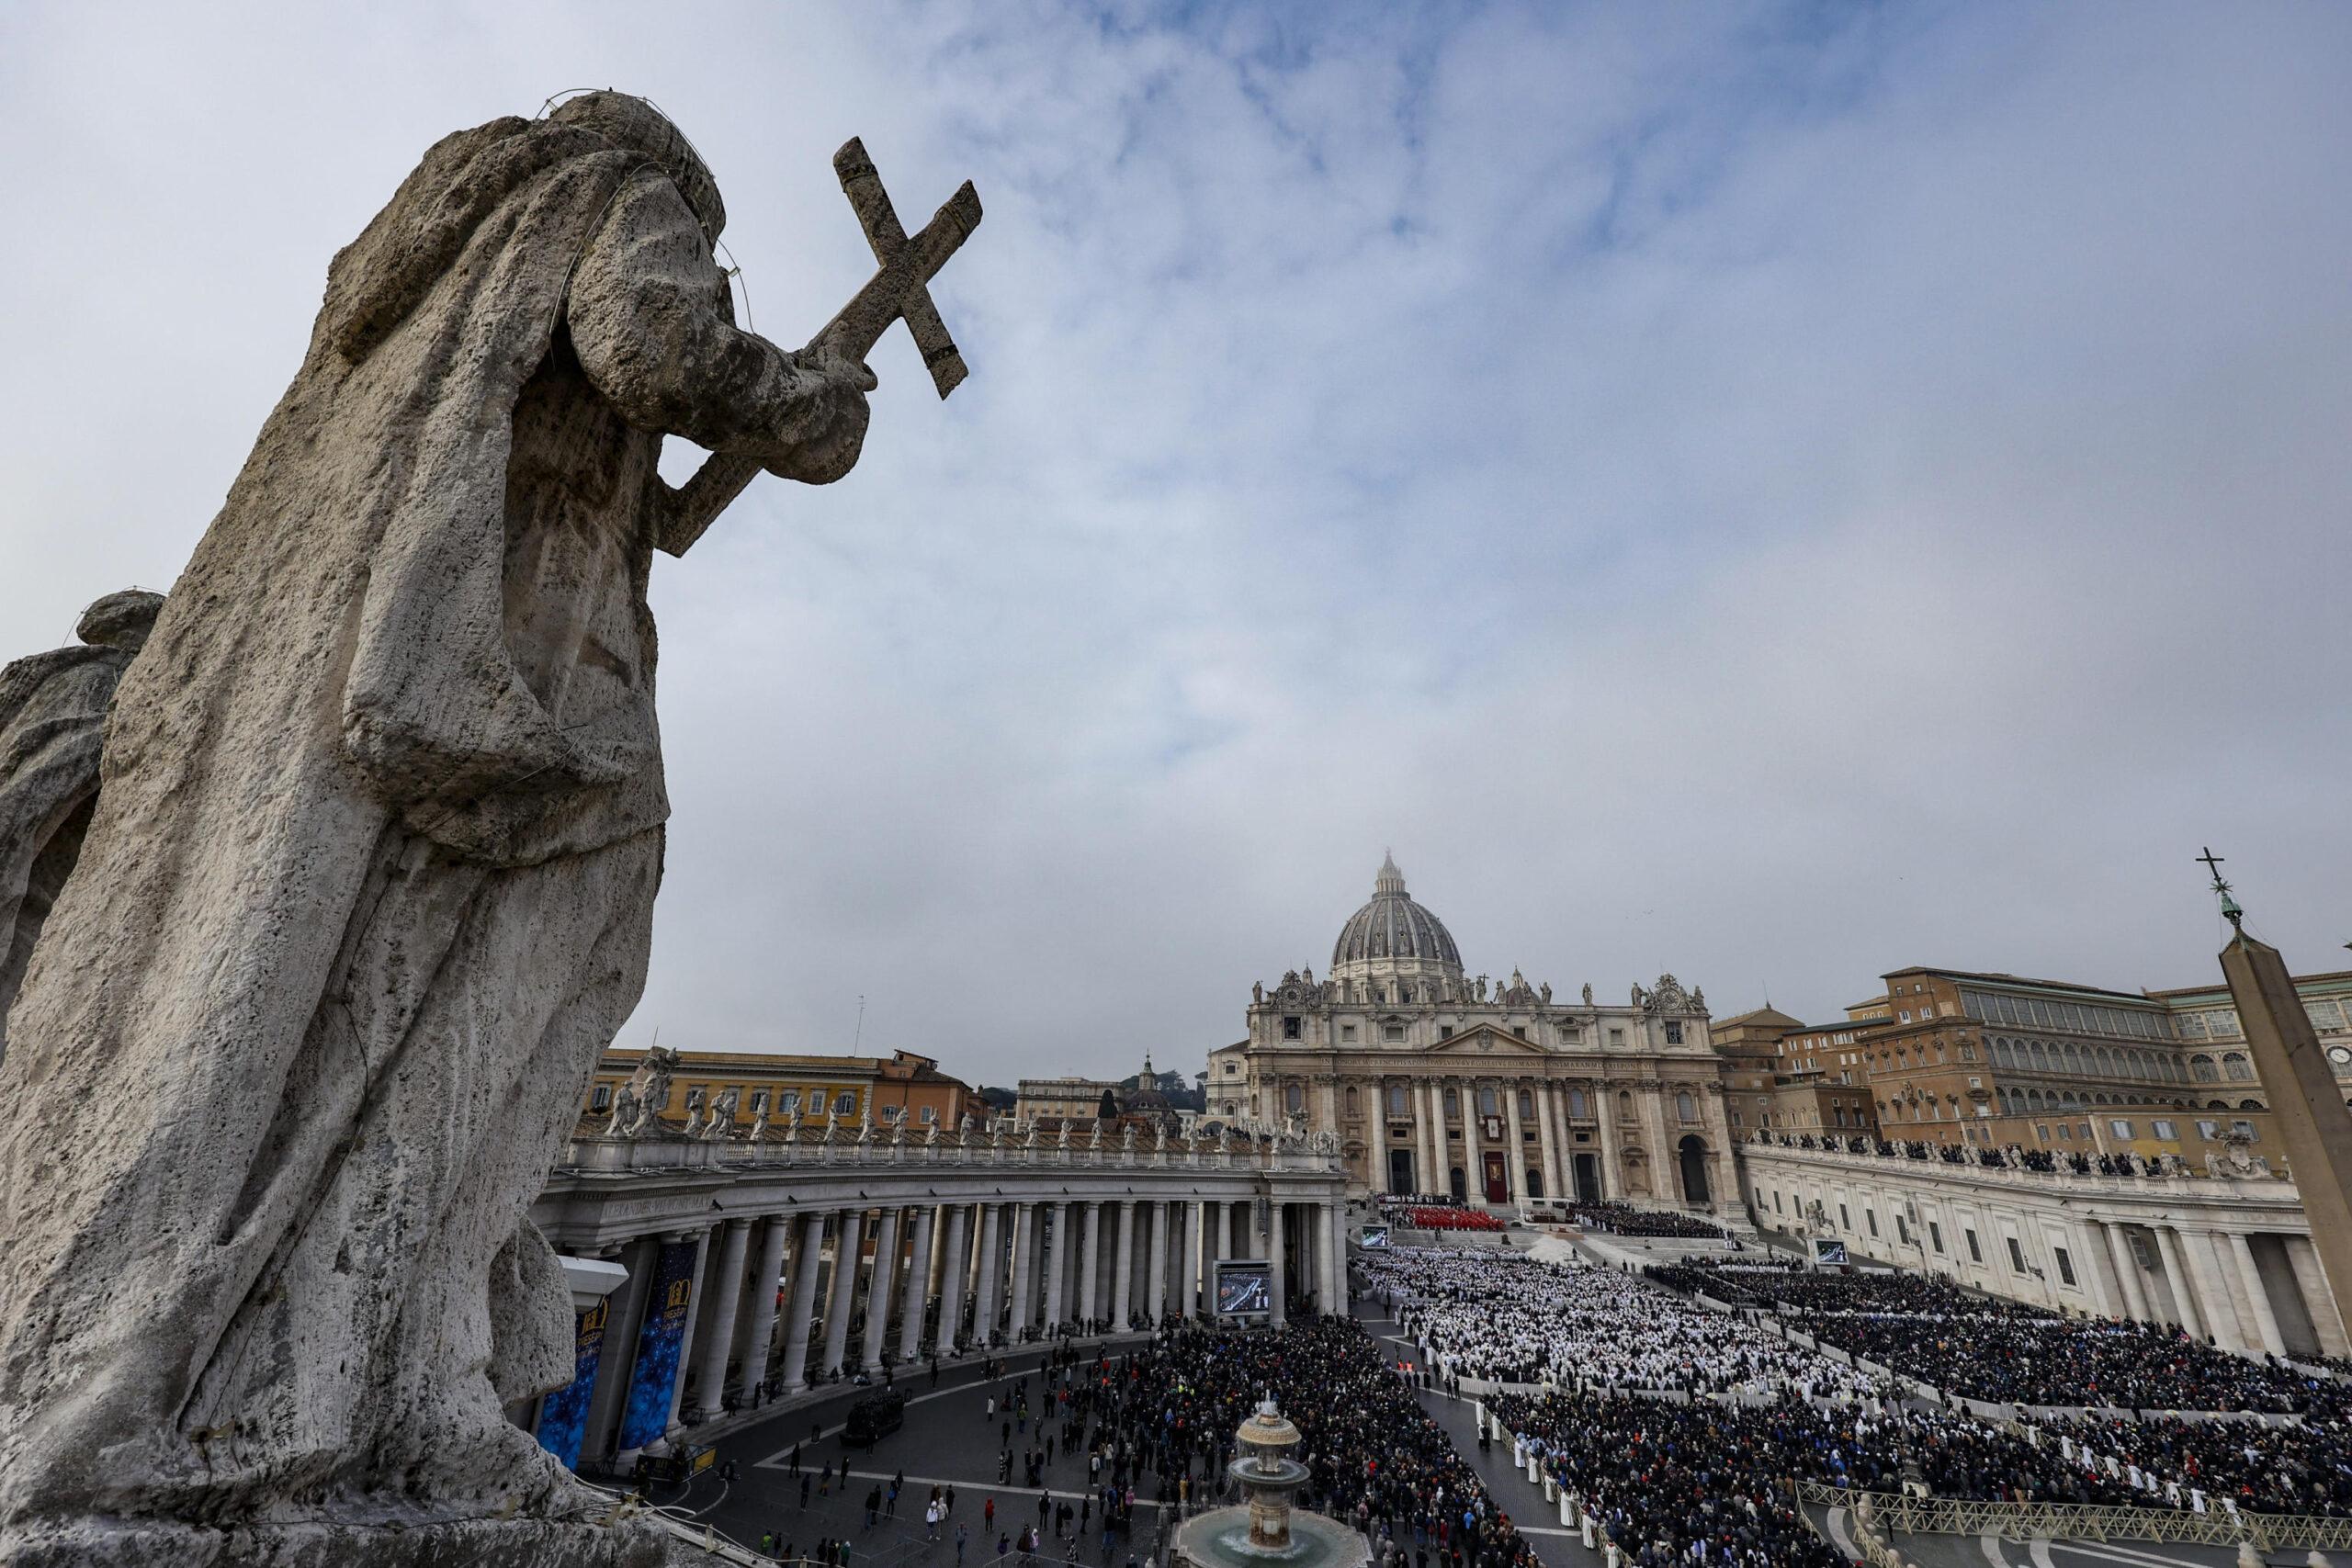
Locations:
column 825, row 429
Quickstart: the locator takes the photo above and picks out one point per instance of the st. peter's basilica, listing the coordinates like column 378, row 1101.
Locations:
column 1565, row 1096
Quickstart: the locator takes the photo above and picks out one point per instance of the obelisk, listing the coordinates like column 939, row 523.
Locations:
column 2306, row 1104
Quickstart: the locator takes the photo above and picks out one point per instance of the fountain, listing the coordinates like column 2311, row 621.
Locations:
column 1268, row 1531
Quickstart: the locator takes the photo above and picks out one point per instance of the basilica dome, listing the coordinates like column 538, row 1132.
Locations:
column 1392, row 932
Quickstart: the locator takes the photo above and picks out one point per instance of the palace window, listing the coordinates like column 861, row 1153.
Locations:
column 1445, row 1031
column 845, row 1103
column 787, row 1101
column 1346, row 1033
column 1396, row 1099
column 2119, row 1129
column 1487, row 1101
column 759, row 1103
column 601, row 1098
column 1290, row 1028
column 2065, row 1264
column 1526, row 1105
column 1871, row 1215
column 1453, row 1101
column 927, row 1114
column 2164, row 1129
column 1845, row 1220
column 1975, row 1253
column 2017, row 1256
column 1936, row 1237
column 1575, row 1105
column 1674, row 1034
column 2236, row 1067
column 2245, row 1130
column 694, row 1097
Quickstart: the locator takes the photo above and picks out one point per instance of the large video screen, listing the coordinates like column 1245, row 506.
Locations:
column 1374, row 1236
column 1245, row 1288
column 1829, row 1252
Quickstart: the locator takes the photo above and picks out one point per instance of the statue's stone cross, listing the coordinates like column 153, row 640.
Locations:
column 898, row 291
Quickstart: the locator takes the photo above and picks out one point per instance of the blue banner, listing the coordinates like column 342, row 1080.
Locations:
column 563, row 1414
column 670, row 1297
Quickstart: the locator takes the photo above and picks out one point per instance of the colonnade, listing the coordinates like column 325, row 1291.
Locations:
column 2210, row 1282
column 753, row 1306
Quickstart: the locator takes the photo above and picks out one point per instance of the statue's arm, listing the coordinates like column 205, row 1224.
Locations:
column 647, row 314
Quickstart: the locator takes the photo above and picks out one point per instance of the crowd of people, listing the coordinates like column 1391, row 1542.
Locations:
column 1815, row 1291
column 1623, row 1219
column 1708, row 1474
column 1508, row 1318
column 1375, row 1457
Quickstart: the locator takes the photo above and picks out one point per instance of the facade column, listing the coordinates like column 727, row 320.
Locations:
column 801, row 1310
column 1547, row 1116
column 1221, row 1232
column 846, row 1244
column 953, row 1267
column 1440, row 1147
column 1090, row 1266
column 2184, row 1288
column 2126, row 1271
column 2319, row 1302
column 1612, row 1157
column 2266, row 1318
column 1514, row 1163
column 1155, row 1294
column 1474, row 1163
column 878, row 1288
column 716, row 1336
column 1057, row 1266
column 988, row 1273
column 1024, row 1241
column 1122, row 1269
column 1275, row 1260
column 918, row 1300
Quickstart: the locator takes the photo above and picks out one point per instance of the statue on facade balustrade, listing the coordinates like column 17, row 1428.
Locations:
column 720, row 1123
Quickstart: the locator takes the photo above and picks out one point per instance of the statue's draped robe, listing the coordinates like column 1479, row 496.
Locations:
column 371, row 877
column 52, row 716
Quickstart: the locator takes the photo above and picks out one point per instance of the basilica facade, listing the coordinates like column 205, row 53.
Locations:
column 1501, row 1094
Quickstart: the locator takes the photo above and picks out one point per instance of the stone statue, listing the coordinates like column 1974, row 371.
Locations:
column 370, row 882
column 1256, row 991
column 1061, row 1139
column 647, row 1092
column 1587, row 993
column 1128, row 1139
column 1095, row 1143
column 622, row 1122
column 52, row 719
column 721, row 1124
column 1545, row 993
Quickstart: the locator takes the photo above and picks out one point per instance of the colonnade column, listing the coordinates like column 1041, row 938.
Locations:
column 1155, row 1295
column 1547, row 1116
column 1515, row 1162
column 1188, row 1275
column 1473, row 1166
column 1123, row 1268
column 1056, row 1265
column 718, row 1332
column 763, row 1335
column 615, row 1368
column 1335, row 1264
column 1275, row 1262
column 845, row 1265
column 918, row 1301
column 1090, row 1266
column 878, row 1288
column 801, row 1310
column 954, row 1267
column 2265, row 1319
column 989, row 1271
column 2119, row 1253
column 1025, row 1239
column 687, row 1341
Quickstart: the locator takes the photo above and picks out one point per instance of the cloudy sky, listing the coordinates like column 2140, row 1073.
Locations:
column 1768, row 494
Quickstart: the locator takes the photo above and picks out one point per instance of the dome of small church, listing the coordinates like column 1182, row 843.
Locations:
column 1393, row 926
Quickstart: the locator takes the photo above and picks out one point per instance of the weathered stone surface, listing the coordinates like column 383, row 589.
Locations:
column 52, row 721
column 368, row 885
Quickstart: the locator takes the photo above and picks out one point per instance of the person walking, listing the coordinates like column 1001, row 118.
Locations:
column 872, row 1505
column 962, row 1535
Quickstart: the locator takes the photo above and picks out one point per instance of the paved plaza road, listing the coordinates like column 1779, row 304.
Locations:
column 947, row 1441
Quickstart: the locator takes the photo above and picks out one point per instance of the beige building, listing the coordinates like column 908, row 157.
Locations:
column 1437, row 1081
column 746, row 1087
